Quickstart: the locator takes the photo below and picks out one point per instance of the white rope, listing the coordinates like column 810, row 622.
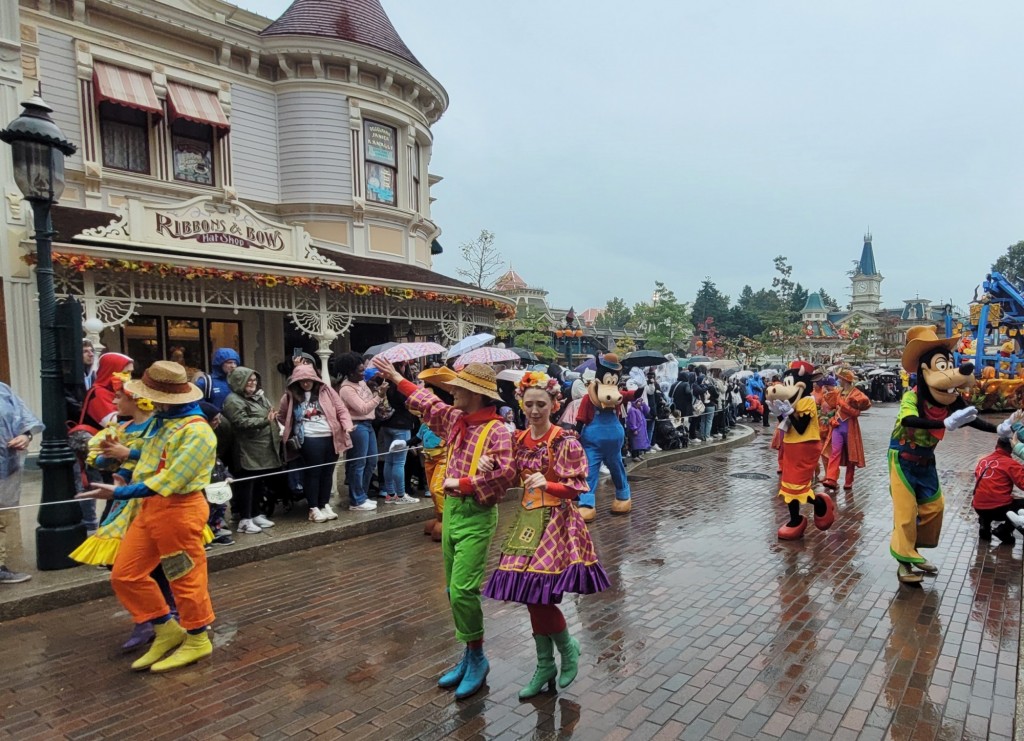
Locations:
column 279, row 472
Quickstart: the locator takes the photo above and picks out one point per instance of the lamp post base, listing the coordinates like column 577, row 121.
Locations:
column 53, row 544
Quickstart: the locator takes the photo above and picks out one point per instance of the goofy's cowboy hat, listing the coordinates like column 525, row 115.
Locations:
column 920, row 340
column 165, row 382
column 475, row 377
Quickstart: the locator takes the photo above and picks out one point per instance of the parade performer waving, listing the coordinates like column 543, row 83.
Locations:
column 602, row 435
column 176, row 460
column 471, row 428
column 791, row 401
column 847, row 446
column 933, row 406
column 548, row 551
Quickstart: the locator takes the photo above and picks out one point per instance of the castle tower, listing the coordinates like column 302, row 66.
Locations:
column 866, row 281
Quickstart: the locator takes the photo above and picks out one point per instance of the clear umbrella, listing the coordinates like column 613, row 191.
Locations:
column 469, row 343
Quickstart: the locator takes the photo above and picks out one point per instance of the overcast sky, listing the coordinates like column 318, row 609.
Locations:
column 611, row 143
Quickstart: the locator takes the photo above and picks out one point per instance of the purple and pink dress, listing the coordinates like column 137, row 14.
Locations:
column 548, row 551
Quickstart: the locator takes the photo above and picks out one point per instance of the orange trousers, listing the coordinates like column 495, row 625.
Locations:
column 168, row 531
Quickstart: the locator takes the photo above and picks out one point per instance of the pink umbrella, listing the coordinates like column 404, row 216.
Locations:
column 486, row 355
column 404, row 352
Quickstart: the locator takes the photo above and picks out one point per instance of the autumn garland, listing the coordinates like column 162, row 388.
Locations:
column 82, row 263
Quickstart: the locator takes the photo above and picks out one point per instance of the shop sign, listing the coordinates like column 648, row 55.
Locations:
column 212, row 228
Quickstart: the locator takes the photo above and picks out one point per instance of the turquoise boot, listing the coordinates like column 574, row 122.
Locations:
column 545, row 672
column 477, row 668
column 451, row 678
column 569, row 649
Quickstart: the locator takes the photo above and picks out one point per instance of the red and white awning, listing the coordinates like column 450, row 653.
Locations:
column 125, row 87
column 193, row 104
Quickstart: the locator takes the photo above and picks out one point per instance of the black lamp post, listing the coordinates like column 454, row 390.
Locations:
column 38, row 148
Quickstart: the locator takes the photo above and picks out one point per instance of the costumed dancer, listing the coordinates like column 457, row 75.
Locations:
column 548, row 551
column 846, row 445
column 791, row 401
column 175, row 465
column 825, row 397
column 926, row 412
column 472, row 428
column 602, row 434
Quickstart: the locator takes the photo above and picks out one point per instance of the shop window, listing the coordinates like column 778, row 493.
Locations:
column 381, row 162
column 125, row 136
column 192, row 152
column 185, row 340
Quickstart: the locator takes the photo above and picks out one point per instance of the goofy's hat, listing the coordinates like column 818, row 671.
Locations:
column 920, row 340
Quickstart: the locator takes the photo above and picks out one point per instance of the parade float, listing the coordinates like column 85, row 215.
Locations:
column 993, row 339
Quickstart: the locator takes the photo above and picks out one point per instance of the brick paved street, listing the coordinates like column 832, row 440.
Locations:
column 713, row 629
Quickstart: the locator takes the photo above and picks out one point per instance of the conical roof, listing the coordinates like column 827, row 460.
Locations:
column 358, row 21
column 814, row 302
column 510, row 281
column 866, row 266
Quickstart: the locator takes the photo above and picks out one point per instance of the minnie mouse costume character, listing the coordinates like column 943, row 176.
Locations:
column 933, row 406
column 791, row 401
column 602, row 434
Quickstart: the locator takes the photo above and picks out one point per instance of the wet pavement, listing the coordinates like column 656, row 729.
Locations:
column 713, row 629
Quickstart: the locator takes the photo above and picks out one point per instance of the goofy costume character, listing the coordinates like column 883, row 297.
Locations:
column 791, row 401
column 601, row 431
column 926, row 412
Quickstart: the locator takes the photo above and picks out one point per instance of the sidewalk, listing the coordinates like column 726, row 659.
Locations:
column 292, row 532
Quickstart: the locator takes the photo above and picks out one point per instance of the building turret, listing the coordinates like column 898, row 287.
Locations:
column 866, row 281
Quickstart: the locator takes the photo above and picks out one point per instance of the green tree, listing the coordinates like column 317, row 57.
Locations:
column 616, row 315
column 830, row 303
column 665, row 321
column 798, row 298
column 781, row 283
column 482, row 260
column 529, row 329
column 709, row 302
column 1011, row 264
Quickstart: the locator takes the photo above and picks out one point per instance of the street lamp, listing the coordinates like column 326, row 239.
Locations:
column 38, row 148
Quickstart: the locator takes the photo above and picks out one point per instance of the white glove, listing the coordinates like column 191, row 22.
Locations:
column 1005, row 429
column 780, row 408
column 960, row 418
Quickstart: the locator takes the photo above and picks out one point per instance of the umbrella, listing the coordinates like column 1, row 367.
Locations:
column 742, row 375
column 486, row 355
column 470, row 343
column 512, row 375
column 642, row 359
column 376, row 349
column 524, row 354
column 730, row 373
column 404, row 352
column 768, row 373
column 881, row 372
column 724, row 363
column 588, row 364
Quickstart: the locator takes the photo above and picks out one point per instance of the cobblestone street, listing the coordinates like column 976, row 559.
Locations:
column 712, row 629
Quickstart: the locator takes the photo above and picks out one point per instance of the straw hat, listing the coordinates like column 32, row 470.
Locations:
column 436, row 376
column 165, row 383
column 475, row 377
column 847, row 375
column 920, row 340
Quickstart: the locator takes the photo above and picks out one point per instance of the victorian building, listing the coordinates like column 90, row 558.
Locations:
column 240, row 181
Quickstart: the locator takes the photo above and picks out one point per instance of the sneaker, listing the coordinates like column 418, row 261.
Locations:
column 391, row 499
column 1016, row 519
column 12, row 577
column 367, row 506
column 221, row 532
column 656, row 448
column 328, row 512
column 249, row 527
column 406, row 499
column 224, row 539
column 604, row 470
column 397, row 445
column 315, row 515
column 261, row 521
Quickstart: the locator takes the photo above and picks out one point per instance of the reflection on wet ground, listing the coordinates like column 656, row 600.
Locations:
column 712, row 629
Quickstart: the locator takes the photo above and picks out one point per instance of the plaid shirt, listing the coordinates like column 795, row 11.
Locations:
column 179, row 458
column 486, row 488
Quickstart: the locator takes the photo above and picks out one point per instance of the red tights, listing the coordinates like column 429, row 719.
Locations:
column 546, row 619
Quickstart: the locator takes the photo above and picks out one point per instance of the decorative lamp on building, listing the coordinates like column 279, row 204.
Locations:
column 38, row 149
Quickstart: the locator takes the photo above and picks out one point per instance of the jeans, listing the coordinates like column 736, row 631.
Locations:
column 394, row 463
column 650, row 431
column 706, row 420
column 316, row 482
column 363, row 459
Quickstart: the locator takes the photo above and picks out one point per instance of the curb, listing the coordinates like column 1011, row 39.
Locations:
column 237, row 555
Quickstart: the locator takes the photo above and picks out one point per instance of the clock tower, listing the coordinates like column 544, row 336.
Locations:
column 866, row 282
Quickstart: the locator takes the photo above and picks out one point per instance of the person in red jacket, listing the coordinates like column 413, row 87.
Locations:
column 995, row 476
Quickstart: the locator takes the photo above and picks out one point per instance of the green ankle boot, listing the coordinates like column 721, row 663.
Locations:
column 545, row 673
column 569, row 649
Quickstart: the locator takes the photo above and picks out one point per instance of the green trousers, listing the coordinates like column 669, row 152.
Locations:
column 466, row 532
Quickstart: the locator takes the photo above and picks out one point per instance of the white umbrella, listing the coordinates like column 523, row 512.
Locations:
column 403, row 352
column 742, row 375
column 724, row 364
column 469, row 343
column 768, row 373
column 487, row 355
column 513, row 375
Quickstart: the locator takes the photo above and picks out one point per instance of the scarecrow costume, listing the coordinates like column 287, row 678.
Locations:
column 926, row 412
column 846, row 444
column 469, row 518
column 548, row 550
column 176, row 460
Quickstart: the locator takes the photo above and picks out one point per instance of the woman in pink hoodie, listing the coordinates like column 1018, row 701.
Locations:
column 315, row 416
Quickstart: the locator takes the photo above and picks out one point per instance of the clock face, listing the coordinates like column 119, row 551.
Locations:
column 862, row 288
